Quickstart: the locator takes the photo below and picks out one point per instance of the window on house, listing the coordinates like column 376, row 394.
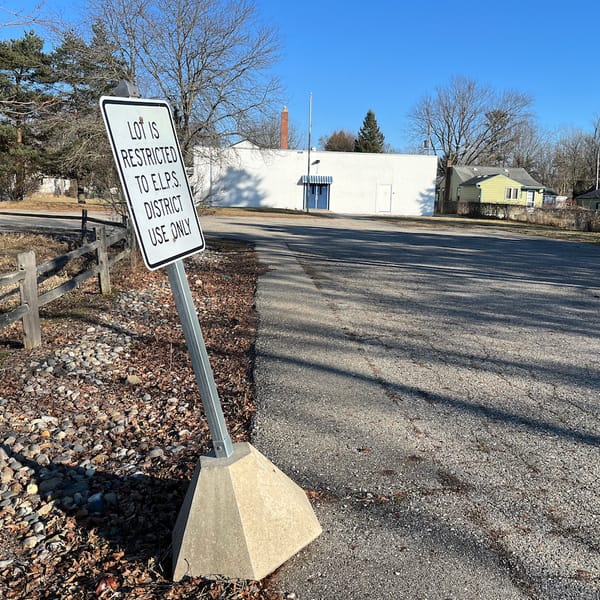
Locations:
column 512, row 193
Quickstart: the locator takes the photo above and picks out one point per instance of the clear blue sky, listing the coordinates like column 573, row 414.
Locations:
column 385, row 55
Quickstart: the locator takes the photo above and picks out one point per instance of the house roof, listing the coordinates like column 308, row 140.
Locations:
column 245, row 145
column 466, row 174
column 591, row 195
column 478, row 179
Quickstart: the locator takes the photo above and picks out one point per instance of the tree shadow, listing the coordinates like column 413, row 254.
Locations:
column 133, row 513
column 425, row 202
column 237, row 187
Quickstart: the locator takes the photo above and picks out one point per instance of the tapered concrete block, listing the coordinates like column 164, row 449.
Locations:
column 241, row 519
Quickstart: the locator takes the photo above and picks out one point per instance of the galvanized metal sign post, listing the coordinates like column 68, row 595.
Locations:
column 150, row 165
column 199, row 357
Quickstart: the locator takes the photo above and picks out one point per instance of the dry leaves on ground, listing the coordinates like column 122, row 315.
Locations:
column 102, row 426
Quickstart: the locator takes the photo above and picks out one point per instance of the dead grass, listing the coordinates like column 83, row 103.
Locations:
column 44, row 246
column 50, row 202
column 509, row 226
column 426, row 222
column 242, row 211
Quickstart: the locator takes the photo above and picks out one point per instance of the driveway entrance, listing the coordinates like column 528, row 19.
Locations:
column 435, row 390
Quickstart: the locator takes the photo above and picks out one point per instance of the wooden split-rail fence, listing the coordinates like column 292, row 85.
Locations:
column 30, row 275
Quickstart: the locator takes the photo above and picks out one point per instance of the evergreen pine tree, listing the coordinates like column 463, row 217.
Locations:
column 370, row 138
column 78, row 147
column 25, row 75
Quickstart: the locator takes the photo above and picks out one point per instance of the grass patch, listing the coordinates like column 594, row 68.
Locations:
column 45, row 247
column 509, row 226
column 52, row 203
column 252, row 212
column 431, row 222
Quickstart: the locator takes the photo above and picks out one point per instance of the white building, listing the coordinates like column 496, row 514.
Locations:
column 341, row 182
column 54, row 185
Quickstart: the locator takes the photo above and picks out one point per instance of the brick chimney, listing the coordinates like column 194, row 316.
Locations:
column 283, row 132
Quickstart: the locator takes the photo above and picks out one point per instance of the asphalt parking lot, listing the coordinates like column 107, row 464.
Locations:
column 436, row 391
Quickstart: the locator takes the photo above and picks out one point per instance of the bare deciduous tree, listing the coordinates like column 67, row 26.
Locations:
column 21, row 18
column 210, row 58
column 468, row 123
column 266, row 132
column 574, row 162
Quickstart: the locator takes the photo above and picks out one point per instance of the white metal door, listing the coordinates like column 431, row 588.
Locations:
column 383, row 202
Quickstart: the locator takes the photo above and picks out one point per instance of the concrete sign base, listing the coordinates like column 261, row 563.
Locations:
column 241, row 519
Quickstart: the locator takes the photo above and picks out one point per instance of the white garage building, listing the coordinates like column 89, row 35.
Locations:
column 342, row 182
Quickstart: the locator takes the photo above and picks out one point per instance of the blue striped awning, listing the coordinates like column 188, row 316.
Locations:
column 319, row 179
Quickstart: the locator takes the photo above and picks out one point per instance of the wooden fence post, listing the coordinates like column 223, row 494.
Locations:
column 131, row 241
column 84, row 220
column 102, row 254
column 32, row 335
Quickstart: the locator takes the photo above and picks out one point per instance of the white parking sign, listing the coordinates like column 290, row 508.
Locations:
column 155, row 184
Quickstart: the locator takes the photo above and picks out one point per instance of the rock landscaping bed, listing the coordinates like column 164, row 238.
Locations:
column 102, row 426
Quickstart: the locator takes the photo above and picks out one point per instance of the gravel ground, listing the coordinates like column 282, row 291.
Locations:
column 101, row 428
column 473, row 473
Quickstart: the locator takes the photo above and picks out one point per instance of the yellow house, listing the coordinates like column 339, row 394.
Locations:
column 501, row 189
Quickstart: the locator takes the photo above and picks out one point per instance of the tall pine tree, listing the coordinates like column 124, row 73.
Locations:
column 86, row 71
column 25, row 75
column 370, row 138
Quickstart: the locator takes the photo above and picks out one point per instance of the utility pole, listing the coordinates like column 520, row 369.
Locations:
column 597, row 140
column 309, row 143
